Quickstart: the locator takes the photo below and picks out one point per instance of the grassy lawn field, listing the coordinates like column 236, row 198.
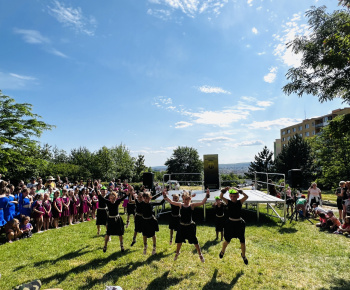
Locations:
column 293, row 255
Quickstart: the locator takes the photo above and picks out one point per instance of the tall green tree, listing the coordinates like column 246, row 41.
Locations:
column 332, row 149
column 185, row 160
column 124, row 162
column 19, row 127
column 105, row 164
column 140, row 167
column 297, row 154
column 325, row 65
column 263, row 162
column 85, row 160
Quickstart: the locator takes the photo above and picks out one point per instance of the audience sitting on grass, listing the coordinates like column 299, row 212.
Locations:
column 345, row 227
column 317, row 210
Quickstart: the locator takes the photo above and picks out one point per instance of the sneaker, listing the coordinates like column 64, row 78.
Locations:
column 154, row 251
column 245, row 260
column 88, row 219
column 221, row 255
column 109, row 239
column 127, row 224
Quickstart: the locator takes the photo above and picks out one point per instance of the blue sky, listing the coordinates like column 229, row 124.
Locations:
column 157, row 74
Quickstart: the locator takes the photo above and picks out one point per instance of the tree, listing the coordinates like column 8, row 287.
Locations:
column 105, row 164
column 124, row 162
column 262, row 163
column 84, row 159
column 332, row 149
column 139, row 167
column 184, row 160
column 18, row 127
column 325, row 65
column 297, row 154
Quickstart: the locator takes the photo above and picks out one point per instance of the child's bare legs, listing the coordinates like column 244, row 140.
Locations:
column 134, row 239
column 145, row 245
column 217, row 235
column 106, row 242
column 171, row 236
column 39, row 224
column 178, row 248
column 121, row 243
column 222, row 234
column 154, row 239
column 127, row 221
column 98, row 229
column 55, row 223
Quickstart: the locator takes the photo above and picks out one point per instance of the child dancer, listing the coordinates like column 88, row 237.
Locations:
column 77, row 205
column 26, row 227
column 101, row 219
column 115, row 224
column 149, row 223
column 187, row 228
column 94, row 203
column 131, row 205
column 56, row 208
column 174, row 221
column 72, row 206
column 235, row 225
column 47, row 211
column 219, row 217
column 38, row 212
column 83, row 208
column 65, row 209
column 138, row 216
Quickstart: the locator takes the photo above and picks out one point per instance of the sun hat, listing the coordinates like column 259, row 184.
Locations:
column 50, row 178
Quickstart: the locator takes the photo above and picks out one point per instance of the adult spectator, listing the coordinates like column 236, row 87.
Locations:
column 158, row 188
column 314, row 194
column 346, row 207
column 271, row 188
column 301, row 204
column 338, row 193
column 39, row 189
column 50, row 181
column 345, row 195
column 32, row 183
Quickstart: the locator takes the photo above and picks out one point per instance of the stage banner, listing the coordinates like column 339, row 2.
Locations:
column 211, row 171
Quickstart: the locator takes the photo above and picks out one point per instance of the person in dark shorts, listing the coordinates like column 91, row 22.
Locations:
column 187, row 228
column 235, row 225
column 219, row 217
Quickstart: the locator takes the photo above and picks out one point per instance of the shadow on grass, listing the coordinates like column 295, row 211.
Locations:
column 163, row 282
column 213, row 284
column 117, row 272
column 287, row 230
column 340, row 284
column 93, row 264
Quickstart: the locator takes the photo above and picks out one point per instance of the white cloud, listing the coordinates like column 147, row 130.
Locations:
column 254, row 30
column 291, row 30
column 21, row 77
column 222, row 118
column 215, row 90
column 264, row 103
column 73, row 17
column 271, row 76
column 58, row 53
column 278, row 123
column 32, row 36
column 261, row 53
column 250, row 2
column 245, row 144
column 216, row 139
column 182, row 124
column 13, row 81
column 190, row 8
column 249, row 99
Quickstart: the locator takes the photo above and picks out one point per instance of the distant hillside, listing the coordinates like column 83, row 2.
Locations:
column 223, row 168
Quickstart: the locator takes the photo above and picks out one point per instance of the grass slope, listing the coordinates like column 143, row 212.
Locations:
column 291, row 256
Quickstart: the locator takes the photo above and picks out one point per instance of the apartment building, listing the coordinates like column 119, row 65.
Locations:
column 307, row 128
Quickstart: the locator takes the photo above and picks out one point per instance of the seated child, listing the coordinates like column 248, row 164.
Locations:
column 345, row 228
column 26, row 227
column 332, row 221
column 323, row 221
column 316, row 210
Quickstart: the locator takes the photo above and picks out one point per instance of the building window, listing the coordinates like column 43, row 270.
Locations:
column 294, row 129
column 307, row 134
column 313, row 124
column 313, row 132
column 283, row 139
column 283, row 132
column 300, row 128
column 288, row 131
column 288, row 138
column 307, row 126
column 301, row 134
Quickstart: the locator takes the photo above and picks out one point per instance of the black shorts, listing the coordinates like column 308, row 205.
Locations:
column 339, row 203
column 234, row 230
column 187, row 232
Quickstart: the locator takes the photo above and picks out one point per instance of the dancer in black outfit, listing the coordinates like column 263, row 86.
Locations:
column 149, row 222
column 115, row 224
column 235, row 225
column 101, row 218
column 187, row 227
column 174, row 221
column 219, row 217
column 131, row 206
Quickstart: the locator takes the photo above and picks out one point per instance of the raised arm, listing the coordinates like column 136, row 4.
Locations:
column 166, row 198
column 223, row 191
column 195, row 204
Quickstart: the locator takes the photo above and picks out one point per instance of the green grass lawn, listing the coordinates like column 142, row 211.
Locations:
column 294, row 255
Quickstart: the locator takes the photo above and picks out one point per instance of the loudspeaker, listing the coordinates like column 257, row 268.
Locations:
column 295, row 178
column 147, row 180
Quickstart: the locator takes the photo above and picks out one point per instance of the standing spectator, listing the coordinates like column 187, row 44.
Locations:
column 38, row 212
column 32, row 183
column 301, row 204
column 346, row 205
column 314, row 194
column 25, row 203
column 47, row 209
column 345, row 195
column 50, row 181
column 339, row 195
